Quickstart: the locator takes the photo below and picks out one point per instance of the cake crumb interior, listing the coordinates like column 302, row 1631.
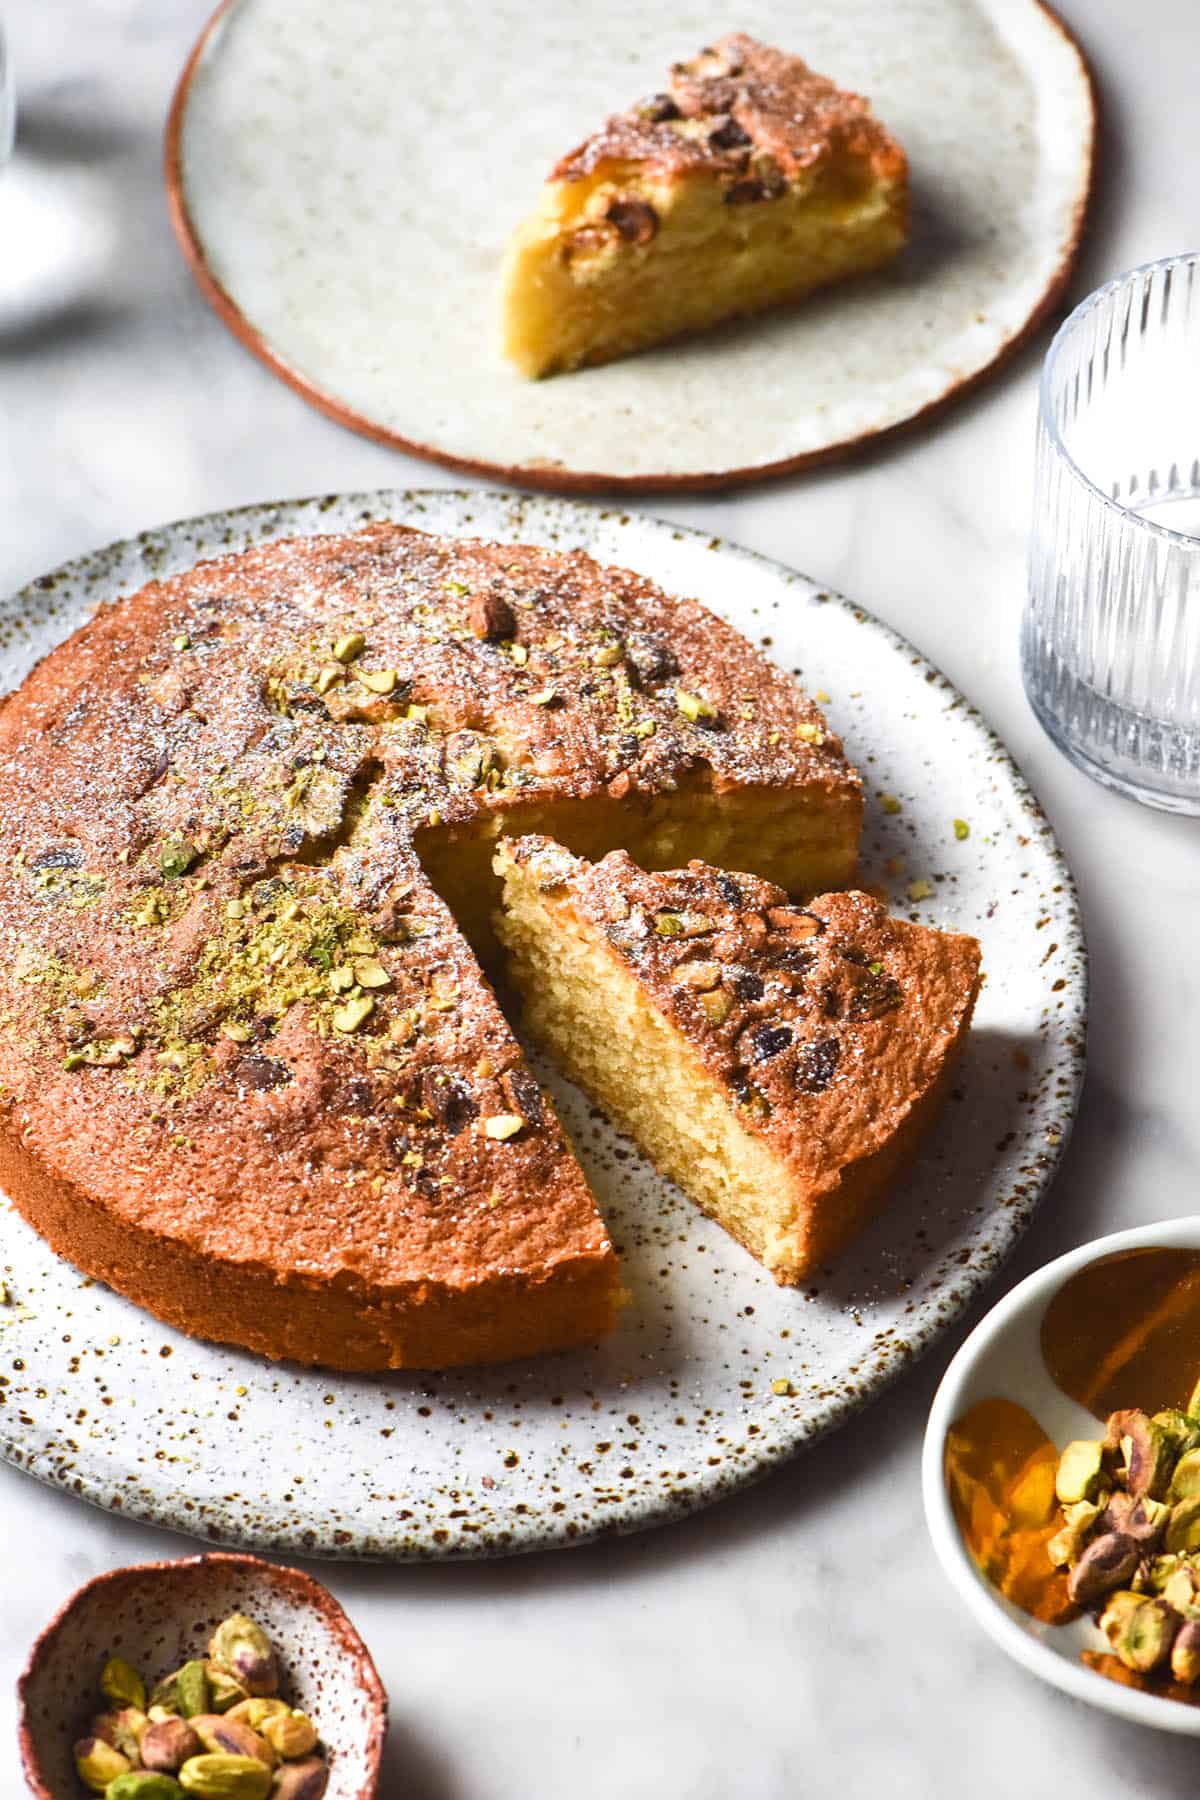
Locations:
column 595, row 1019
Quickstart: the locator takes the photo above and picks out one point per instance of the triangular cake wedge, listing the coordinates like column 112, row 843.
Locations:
column 748, row 183
column 780, row 1063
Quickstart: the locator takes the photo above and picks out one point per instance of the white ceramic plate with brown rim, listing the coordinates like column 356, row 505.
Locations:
column 678, row 1407
column 343, row 180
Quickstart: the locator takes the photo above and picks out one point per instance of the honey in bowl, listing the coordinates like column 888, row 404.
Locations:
column 1120, row 1335
column 1000, row 1468
column 1125, row 1331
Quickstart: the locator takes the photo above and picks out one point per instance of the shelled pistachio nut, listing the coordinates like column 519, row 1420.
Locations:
column 1183, row 1526
column 225, row 1691
column 1118, row 1608
column 143, row 1784
column 1148, row 1451
column 168, row 1743
column 244, row 1648
column 223, row 1777
column 1080, row 1471
column 124, row 1730
column 1181, row 1587
column 219, row 1733
column 164, row 1696
column 1185, row 1652
column 121, row 1683
column 255, row 1712
column 305, row 1780
column 192, row 1686
column 98, row 1763
column 1185, row 1479
column 1067, row 1545
column 1145, row 1634
column 1183, row 1431
column 290, row 1734
column 1107, row 1563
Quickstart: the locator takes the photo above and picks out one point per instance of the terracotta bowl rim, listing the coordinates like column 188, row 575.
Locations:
column 307, row 1586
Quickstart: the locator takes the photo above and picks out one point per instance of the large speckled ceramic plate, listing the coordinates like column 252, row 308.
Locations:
column 680, row 1405
column 343, row 180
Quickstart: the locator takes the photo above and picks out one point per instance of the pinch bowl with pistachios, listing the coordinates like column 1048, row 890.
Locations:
column 1061, row 1474
column 212, row 1678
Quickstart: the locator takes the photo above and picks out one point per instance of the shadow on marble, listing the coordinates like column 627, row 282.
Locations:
column 43, row 330
column 415, row 1766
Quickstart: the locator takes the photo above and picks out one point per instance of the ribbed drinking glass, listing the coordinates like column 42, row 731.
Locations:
column 1111, row 639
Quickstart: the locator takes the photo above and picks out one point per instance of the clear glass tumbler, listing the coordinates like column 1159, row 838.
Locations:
column 1110, row 645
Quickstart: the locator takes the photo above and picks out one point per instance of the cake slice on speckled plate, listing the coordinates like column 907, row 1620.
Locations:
column 749, row 182
column 780, row 1062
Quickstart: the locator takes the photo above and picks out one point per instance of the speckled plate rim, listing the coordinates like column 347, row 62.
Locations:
column 968, row 1582
column 577, row 481
column 546, row 1530
column 313, row 1592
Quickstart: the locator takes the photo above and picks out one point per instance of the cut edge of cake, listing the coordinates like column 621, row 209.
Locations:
column 702, row 1029
column 748, row 184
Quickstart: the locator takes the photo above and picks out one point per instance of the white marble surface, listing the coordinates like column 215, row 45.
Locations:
column 798, row 1639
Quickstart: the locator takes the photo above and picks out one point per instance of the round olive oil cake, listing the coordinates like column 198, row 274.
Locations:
column 254, row 1075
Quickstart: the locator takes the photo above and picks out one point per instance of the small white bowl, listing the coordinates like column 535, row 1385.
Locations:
column 1002, row 1358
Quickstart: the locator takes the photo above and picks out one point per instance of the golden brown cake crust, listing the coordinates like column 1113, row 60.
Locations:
column 736, row 100
column 251, row 1072
column 834, row 1027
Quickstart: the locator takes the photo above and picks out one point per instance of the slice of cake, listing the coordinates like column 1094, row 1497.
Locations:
column 779, row 1062
column 749, row 182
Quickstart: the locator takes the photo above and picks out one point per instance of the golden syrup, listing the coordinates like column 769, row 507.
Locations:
column 1000, row 1469
column 1125, row 1331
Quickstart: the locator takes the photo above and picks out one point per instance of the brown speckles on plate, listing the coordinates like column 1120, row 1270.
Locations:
column 412, row 1467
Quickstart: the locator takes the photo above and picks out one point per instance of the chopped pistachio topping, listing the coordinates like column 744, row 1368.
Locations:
column 781, row 1386
column 378, row 681
column 519, row 654
column 182, row 642
column 682, row 924
column 889, row 803
column 503, row 1125
column 238, row 1034
column 350, row 646
column 355, row 1013
column 176, row 857
column 961, row 829
column 919, row 890
column 608, row 656
column 154, row 910
column 694, row 706
column 716, row 1006
column 810, row 734
column 371, row 974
